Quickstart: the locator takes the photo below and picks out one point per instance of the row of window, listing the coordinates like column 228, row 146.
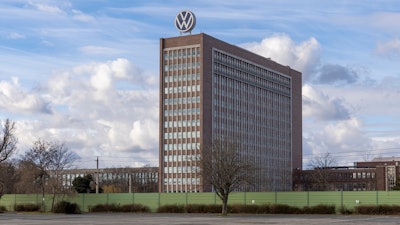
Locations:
column 181, row 158
column 181, row 180
column 174, row 135
column 181, row 66
column 181, row 89
column 363, row 175
column 230, row 90
column 189, row 100
column 250, row 80
column 181, row 53
column 182, row 169
column 181, row 123
column 183, row 146
column 182, row 112
column 248, row 67
column 183, row 77
column 144, row 177
column 268, row 106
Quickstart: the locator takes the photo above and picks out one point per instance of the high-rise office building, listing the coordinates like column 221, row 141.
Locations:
column 210, row 89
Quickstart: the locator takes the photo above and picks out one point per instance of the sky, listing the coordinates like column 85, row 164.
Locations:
column 86, row 73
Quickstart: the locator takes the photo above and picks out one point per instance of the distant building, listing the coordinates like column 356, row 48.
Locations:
column 379, row 174
column 210, row 89
column 387, row 171
column 124, row 180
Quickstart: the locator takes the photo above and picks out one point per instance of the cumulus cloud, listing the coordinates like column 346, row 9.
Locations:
column 93, row 115
column 344, row 139
column 354, row 123
column 143, row 133
column 281, row 48
column 389, row 49
column 336, row 74
column 346, row 134
column 320, row 106
column 14, row 98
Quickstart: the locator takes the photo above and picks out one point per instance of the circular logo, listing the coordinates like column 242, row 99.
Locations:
column 185, row 21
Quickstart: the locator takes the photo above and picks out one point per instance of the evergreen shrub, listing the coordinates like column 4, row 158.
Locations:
column 67, row 208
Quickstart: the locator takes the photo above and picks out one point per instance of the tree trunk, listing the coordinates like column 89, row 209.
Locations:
column 53, row 201
column 43, row 207
column 43, row 204
column 224, row 205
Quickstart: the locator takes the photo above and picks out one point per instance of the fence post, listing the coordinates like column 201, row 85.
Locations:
column 276, row 197
column 308, row 198
column 83, row 201
column 244, row 196
column 377, row 197
column 341, row 198
column 159, row 199
column 186, row 195
column 108, row 199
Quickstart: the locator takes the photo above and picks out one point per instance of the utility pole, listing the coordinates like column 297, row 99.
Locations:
column 97, row 175
column 130, row 182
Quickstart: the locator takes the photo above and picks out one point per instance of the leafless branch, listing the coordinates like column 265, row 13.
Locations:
column 225, row 170
column 8, row 140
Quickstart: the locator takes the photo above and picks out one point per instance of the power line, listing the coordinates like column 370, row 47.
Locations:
column 345, row 154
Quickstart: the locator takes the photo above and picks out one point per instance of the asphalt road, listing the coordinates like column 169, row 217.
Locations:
column 189, row 219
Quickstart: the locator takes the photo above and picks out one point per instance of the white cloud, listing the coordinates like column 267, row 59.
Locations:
column 46, row 7
column 367, row 127
column 344, row 139
column 144, row 133
column 389, row 49
column 96, row 118
column 80, row 16
column 15, row 99
column 321, row 107
column 101, row 80
column 303, row 57
column 377, row 99
column 346, row 134
column 15, row 35
column 121, row 68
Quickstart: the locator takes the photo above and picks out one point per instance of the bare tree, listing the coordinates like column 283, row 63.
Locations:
column 225, row 170
column 143, row 179
column 7, row 176
column 325, row 160
column 321, row 165
column 8, row 140
column 8, row 145
column 50, row 158
column 27, row 173
column 124, row 180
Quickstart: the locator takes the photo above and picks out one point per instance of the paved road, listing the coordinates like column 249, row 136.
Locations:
column 190, row 219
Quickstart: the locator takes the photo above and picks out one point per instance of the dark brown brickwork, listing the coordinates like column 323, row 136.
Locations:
column 364, row 176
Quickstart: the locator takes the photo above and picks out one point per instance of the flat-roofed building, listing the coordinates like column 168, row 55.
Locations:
column 209, row 90
column 379, row 174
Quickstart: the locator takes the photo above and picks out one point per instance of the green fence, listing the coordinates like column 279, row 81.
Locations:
column 154, row 200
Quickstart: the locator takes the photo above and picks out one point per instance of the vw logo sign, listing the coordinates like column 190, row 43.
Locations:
column 185, row 21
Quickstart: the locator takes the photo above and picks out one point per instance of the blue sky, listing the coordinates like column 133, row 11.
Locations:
column 86, row 72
